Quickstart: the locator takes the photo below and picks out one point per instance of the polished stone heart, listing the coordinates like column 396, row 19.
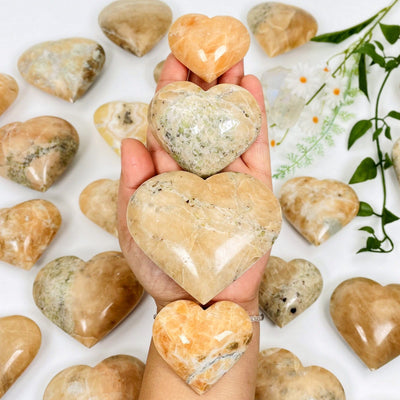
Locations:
column 204, row 234
column 87, row 299
column 20, row 340
column 26, row 230
column 367, row 315
column 396, row 158
column 115, row 378
column 280, row 375
column 204, row 131
column 65, row 68
column 157, row 71
column 36, row 153
column 208, row 46
column 318, row 208
column 201, row 345
column 288, row 288
column 8, row 91
column 136, row 25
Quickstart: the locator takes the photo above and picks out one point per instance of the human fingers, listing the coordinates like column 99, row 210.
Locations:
column 200, row 82
column 172, row 71
column 234, row 75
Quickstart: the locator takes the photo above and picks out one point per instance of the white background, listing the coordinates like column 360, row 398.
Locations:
column 312, row 336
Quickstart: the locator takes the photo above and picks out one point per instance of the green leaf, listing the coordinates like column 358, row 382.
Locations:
column 365, row 210
column 391, row 64
column 380, row 45
column 369, row 49
column 387, row 162
column 373, row 243
column 367, row 229
column 394, row 114
column 387, row 133
column 365, row 171
column 358, row 130
column 362, row 76
column 363, row 250
column 388, row 217
column 377, row 133
column 391, row 32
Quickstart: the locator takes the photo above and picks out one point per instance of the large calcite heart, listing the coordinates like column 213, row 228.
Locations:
column 201, row 345
column 204, row 234
column 65, row 68
column 367, row 315
column 36, row 153
column 20, row 340
column 281, row 376
column 204, row 131
column 8, row 91
column 318, row 208
column 87, row 299
column 115, row 378
column 26, row 230
column 288, row 288
column 208, row 46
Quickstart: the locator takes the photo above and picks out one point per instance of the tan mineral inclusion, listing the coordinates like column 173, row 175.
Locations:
column 396, row 158
column 8, row 91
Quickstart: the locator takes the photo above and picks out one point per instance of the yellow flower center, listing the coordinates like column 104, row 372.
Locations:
column 303, row 79
column 273, row 143
column 336, row 91
column 315, row 119
column 326, row 69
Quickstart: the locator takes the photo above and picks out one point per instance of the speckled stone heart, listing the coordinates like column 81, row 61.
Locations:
column 318, row 208
column 87, row 299
column 204, row 234
column 20, row 340
column 208, row 46
column 115, row 378
column 204, row 131
column 201, row 345
column 8, row 91
column 367, row 315
column 281, row 376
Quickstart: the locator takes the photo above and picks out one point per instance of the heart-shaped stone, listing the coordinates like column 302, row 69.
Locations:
column 36, row 153
column 157, row 70
column 201, row 345
column 87, row 299
column 367, row 315
column 65, row 68
column 396, row 158
column 115, row 378
column 8, row 91
column 208, row 46
column 280, row 375
column 318, row 208
column 26, row 230
column 136, row 25
column 288, row 288
column 204, row 131
column 204, row 234
column 20, row 340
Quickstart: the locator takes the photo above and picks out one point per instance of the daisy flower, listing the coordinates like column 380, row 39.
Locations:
column 334, row 91
column 303, row 80
column 311, row 119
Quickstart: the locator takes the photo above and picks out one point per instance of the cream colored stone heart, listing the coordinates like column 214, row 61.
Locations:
column 367, row 315
column 396, row 158
column 201, row 345
column 204, row 131
column 204, row 234
column 8, row 91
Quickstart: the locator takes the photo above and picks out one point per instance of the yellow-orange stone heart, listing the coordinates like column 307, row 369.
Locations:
column 208, row 46
column 8, row 91
column 201, row 345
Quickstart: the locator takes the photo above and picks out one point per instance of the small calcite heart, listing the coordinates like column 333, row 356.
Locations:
column 204, row 131
column 26, row 230
column 20, row 340
column 208, row 46
column 288, row 288
column 119, row 120
column 36, row 153
column 136, row 25
column 396, row 158
column 367, row 315
column 201, row 345
column 115, row 378
column 87, row 299
column 157, row 71
column 65, row 68
column 318, row 208
column 8, row 91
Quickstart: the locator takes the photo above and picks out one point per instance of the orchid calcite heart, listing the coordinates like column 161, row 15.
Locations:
column 20, row 340
column 208, row 46
column 204, row 131
column 367, row 315
column 318, row 208
column 396, row 158
column 65, row 68
column 281, row 376
column 204, row 234
column 288, row 288
column 87, row 299
column 115, row 378
column 201, row 345
column 26, row 230
column 8, row 91
column 36, row 153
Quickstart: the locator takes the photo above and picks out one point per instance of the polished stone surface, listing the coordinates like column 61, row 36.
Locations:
column 204, row 131
column 396, row 158
column 36, row 153
column 367, row 315
column 87, row 299
column 65, row 68
column 26, row 230
column 204, row 234
column 201, row 345
column 157, row 70
column 318, row 208
column 208, row 46
column 288, row 288
column 8, row 91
